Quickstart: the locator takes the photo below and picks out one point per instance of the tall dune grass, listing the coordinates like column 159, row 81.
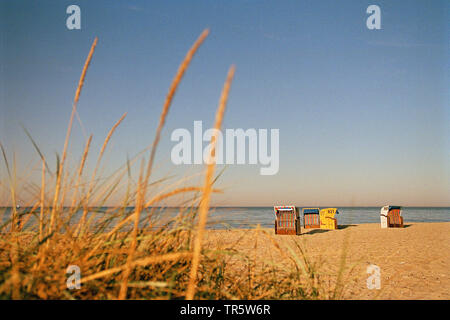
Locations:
column 122, row 253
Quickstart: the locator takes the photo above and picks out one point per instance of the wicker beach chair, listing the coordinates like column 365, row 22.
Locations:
column 327, row 219
column 287, row 220
column 311, row 218
column 391, row 217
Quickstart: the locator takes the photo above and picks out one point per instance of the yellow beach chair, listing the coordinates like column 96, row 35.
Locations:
column 327, row 219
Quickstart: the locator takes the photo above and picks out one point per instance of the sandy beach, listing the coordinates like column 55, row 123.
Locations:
column 414, row 261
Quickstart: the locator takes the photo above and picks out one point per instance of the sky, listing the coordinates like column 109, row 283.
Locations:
column 363, row 115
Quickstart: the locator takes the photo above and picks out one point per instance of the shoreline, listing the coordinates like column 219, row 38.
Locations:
column 340, row 226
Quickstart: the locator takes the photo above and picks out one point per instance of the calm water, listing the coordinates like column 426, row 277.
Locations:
column 246, row 217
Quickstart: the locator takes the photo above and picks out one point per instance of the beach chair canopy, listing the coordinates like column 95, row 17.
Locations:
column 386, row 209
column 311, row 211
column 284, row 209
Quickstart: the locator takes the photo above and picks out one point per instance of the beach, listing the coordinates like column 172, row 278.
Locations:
column 414, row 261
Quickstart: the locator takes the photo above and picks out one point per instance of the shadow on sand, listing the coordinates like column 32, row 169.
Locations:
column 345, row 226
column 314, row 231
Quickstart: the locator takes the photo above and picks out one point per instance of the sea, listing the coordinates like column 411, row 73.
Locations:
column 250, row 217
column 247, row 217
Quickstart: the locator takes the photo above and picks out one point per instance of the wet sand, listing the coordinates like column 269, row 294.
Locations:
column 414, row 261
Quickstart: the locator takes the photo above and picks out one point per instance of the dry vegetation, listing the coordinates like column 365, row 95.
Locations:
column 121, row 254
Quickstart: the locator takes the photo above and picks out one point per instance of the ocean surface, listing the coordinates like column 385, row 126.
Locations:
column 248, row 217
column 244, row 217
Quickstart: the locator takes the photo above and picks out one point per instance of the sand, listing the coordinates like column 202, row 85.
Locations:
column 414, row 261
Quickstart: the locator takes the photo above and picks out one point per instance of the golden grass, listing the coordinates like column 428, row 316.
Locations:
column 204, row 203
column 173, row 88
column 80, row 171
column 142, row 186
column 69, row 129
column 41, row 217
column 99, row 159
column 123, row 252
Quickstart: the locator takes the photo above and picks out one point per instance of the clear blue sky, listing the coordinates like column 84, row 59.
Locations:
column 363, row 114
